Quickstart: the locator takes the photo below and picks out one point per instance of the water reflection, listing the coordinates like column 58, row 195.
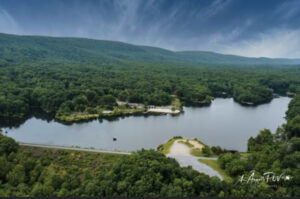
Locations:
column 224, row 123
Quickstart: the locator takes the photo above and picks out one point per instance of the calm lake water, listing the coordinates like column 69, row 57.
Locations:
column 224, row 123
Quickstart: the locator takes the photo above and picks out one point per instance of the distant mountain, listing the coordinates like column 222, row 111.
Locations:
column 15, row 49
column 217, row 58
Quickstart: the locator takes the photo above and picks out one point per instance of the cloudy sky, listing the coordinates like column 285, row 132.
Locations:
column 255, row 28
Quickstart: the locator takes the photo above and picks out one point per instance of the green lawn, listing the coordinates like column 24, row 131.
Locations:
column 197, row 152
column 215, row 165
column 176, row 104
column 165, row 148
column 186, row 143
column 200, row 142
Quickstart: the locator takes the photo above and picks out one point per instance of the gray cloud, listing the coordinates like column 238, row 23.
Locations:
column 276, row 43
column 248, row 28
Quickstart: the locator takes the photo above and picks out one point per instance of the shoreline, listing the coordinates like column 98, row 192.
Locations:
column 39, row 114
column 112, row 116
column 73, row 148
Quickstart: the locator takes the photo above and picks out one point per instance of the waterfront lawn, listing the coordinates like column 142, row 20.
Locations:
column 197, row 152
column 176, row 104
column 97, row 113
column 187, row 143
column 76, row 117
column 165, row 148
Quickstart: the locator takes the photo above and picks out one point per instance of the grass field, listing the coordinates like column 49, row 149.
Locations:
column 186, row 143
column 197, row 152
column 165, row 148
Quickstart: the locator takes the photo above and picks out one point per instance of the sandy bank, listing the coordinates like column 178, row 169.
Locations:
column 163, row 110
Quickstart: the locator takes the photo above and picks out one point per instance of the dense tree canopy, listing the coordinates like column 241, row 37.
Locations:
column 62, row 77
column 149, row 173
column 7, row 145
column 65, row 88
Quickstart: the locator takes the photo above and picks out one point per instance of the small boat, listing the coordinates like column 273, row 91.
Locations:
column 114, row 139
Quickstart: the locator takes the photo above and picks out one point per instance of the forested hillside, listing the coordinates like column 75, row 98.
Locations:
column 72, row 79
column 15, row 49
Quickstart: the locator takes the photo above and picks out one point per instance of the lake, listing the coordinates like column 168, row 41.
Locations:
column 224, row 123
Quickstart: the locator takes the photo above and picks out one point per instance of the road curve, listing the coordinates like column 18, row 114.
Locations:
column 181, row 153
column 192, row 161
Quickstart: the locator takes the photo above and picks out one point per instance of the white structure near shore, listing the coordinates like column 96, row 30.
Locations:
column 162, row 109
column 151, row 108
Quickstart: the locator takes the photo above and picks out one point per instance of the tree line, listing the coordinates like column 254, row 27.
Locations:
column 64, row 88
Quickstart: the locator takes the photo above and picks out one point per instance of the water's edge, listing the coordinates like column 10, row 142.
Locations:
column 224, row 123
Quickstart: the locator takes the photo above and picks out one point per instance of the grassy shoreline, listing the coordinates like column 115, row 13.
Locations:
column 165, row 148
column 118, row 111
column 215, row 165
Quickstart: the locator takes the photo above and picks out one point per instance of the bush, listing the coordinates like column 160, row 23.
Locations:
column 7, row 145
column 207, row 151
column 17, row 175
column 264, row 137
column 217, row 150
column 150, row 174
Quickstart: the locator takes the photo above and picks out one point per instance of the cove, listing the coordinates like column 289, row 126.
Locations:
column 224, row 123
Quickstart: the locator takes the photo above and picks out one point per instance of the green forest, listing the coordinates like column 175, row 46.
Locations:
column 70, row 79
column 29, row 171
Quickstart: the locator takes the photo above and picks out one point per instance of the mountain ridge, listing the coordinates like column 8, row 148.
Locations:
column 80, row 49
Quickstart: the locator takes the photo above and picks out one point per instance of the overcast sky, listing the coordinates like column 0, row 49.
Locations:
column 256, row 28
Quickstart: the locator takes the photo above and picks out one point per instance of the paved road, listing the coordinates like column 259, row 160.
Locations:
column 184, row 158
column 192, row 161
column 73, row 148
